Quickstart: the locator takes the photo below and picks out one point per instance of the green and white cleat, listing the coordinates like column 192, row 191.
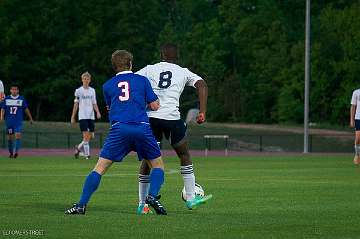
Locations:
column 143, row 209
column 198, row 200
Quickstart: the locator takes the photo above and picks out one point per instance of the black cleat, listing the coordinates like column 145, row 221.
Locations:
column 15, row 155
column 155, row 203
column 11, row 156
column 76, row 209
column 87, row 157
column 77, row 152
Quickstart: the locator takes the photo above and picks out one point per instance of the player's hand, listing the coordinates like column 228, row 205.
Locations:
column 72, row 121
column 352, row 123
column 200, row 118
column 98, row 115
column 155, row 105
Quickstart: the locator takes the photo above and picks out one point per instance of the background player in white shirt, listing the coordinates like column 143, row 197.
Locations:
column 355, row 122
column 168, row 81
column 85, row 102
column 2, row 94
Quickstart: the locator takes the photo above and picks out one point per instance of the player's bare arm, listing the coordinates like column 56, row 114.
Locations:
column 155, row 105
column 28, row 114
column 202, row 91
column 352, row 116
column 74, row 111
column 96, row 108
column 2, row 113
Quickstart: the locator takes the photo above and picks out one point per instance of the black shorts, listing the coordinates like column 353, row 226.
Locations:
column 357, row 125
column 173, row 130
column 87, row 125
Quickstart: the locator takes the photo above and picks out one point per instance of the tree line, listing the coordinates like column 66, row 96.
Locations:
column 251, row 53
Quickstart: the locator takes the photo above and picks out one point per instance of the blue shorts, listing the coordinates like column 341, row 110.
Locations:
column 357, row 125
column 13, row 129
column 124, row 138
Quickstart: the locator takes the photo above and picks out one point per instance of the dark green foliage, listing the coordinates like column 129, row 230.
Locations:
column 251, row 53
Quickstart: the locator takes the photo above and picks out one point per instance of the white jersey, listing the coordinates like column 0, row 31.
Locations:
column 168, row 81
column 86, row 99
column 1, row 87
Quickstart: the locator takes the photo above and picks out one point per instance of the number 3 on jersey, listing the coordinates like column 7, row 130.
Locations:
column 125, row 90
column 165, row 79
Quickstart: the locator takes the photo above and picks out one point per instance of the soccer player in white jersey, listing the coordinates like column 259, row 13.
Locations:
column 85, row 102
column 2, row 94
column 168, row 81
column 355, row 122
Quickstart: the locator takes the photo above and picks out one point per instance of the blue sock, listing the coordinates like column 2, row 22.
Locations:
column 156, row 180
column 10, row 146
column 17, row 145
column 91, row 184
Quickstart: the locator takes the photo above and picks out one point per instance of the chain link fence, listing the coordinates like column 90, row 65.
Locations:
column 250, row 142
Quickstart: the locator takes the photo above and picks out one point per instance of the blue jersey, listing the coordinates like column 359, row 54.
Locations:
column 127, row 95
column 14, row 109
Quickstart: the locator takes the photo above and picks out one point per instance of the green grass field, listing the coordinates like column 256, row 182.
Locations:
column 254, row 197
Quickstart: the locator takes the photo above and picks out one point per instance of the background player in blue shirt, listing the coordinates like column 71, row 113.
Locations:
column 127, row 96
column 13, row 108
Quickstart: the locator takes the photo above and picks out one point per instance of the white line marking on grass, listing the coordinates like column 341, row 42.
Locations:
column 222, row 179
column 167, row 172
column 286, row 181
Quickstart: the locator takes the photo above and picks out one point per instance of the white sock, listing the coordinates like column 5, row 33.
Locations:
column 86, row 148
column 144, row 185
column 188, row 175
column 357, row 149
column 80, row 146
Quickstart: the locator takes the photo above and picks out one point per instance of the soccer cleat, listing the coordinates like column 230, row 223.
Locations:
column 155, row 203
column 198, row 200
column 76, row 209
column 87, row 157
column 15, row 155
column 356, row 160
column 77, row 152
column 143, row 209
column 11, row 156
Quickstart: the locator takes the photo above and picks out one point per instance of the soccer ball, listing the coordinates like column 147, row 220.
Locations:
column 198, row 191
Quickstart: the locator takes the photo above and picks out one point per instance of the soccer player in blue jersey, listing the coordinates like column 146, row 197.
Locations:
column 127, row 96
column 13, row 108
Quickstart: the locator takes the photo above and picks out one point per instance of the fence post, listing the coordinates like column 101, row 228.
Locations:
column 260, row 143
column 4, row 139
column 37, row 140
column 100, row 139
column 68, row 140
column 310, row 143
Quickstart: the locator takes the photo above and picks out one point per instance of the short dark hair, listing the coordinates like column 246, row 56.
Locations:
column 14, row 85
column 121, row 60
column 169, row 51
